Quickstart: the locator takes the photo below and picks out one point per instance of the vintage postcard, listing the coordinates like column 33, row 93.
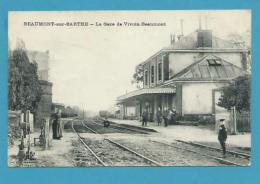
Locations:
column 129, row 88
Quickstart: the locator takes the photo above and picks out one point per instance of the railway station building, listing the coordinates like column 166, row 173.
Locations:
column 188, row 76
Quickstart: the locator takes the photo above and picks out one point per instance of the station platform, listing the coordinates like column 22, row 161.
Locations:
column 191, row 133
column 56, row 155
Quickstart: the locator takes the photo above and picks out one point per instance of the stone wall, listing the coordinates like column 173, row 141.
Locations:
column 14, row 131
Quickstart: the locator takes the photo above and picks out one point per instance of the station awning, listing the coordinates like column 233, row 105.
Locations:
column 146, row 91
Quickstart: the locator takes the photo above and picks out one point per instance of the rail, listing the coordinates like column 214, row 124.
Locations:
column 126, row 148
column 214, row 148
column 224, row 161
column 87, row 147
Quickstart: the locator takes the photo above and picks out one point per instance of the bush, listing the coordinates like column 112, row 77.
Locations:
column 200, row 119
column 190, row 117
column 237, row 94
column 206, row 120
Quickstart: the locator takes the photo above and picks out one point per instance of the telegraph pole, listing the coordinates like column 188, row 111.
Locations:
column 235, row 120
column 83, row 114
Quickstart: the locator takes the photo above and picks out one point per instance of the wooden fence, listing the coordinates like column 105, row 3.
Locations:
column 243, row 121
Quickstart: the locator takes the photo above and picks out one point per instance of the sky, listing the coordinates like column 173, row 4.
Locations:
column 90, row 66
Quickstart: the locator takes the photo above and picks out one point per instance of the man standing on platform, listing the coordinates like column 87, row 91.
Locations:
column 159, row 116
column 60, row 126
column 165, row 116
column 144, row 118
column 222, row 136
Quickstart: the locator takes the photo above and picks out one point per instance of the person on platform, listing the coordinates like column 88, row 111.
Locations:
column 56, row 126
column 59, row 125
column 159, row 116
column 222, row 136
column 165, row 117
column 173, row 116
column 144, row 118
column 169, row 116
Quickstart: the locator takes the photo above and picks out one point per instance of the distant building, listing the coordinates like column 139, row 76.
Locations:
column 186, row 76
column 42, row 60
column 57, row 106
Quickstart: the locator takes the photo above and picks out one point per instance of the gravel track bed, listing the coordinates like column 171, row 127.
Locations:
column 133, row 128
column 77, row 126
column 169, row 156
column 113, row 155
column 83, row 157
column 229, row 157
column 81, row 129
column 166, row 155
column 229, row 147
column 106, row 130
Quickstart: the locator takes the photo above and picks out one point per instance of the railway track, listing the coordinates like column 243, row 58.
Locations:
column 199, row 152
column 147, row 160
column 101, row 129
column 234, row 153
column 87, row 147
column 119, row 127
column 233, row 158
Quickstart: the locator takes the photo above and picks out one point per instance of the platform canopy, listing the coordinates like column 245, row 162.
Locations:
column 145, row 91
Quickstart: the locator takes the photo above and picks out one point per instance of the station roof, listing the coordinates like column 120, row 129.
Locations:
column 145, row 91
column 210, row 67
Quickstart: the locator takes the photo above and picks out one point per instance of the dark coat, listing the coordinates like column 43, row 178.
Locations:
column 222, row 134
column 158, row 116
column 144, row 116
column 165, row 114
column 56, row 127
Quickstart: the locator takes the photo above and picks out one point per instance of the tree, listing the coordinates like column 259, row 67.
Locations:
column 237, row 94
column 243, row 38
column 69, row 112
column 138, row 76
column 24, row 90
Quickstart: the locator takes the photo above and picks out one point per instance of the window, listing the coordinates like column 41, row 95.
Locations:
column 166, row 71
column 152, row 74
column 146, row 78
column 214, row 62
column 159, row 71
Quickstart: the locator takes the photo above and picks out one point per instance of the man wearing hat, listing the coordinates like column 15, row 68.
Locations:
column 222, row 135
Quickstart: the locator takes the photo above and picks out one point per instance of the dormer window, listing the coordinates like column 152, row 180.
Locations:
column 214, row 62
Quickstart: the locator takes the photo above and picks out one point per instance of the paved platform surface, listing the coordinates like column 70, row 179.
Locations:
column 191, row 133
column 57, row 155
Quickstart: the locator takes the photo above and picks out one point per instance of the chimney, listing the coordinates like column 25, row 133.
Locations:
column 204, row 38
column 179, row 37
column 172, row 39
